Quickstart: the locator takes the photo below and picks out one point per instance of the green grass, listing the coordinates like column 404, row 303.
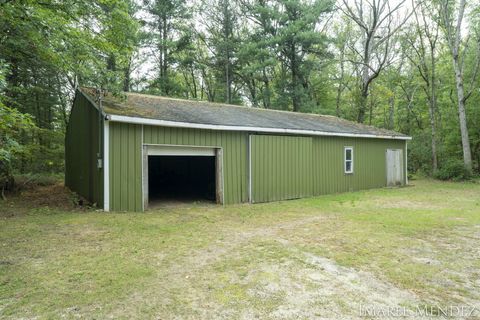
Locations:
column 273, row 260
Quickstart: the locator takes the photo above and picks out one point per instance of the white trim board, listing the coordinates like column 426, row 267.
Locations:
column 143, row 168
column 178, row 124
column 406, row 163
column 106, row 166
column 250, row 199
column 162, row 150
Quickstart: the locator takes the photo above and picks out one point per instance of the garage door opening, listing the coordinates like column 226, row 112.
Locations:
column 182, row 174
column 181, row 178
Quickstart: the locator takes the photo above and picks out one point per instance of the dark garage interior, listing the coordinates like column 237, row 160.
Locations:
column 181, row 178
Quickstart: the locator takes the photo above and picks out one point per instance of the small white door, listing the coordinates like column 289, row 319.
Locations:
column 394, row 167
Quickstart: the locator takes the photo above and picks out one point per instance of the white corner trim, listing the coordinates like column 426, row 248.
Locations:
column 106, row 166
column 223, row 177
column 250, row 200
column 406, row 163
column 178, row 124
column 143, row 172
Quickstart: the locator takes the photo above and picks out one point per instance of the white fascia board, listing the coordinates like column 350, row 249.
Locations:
column 177, row 124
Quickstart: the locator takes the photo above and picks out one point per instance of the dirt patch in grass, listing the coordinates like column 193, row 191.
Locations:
column 53, row 196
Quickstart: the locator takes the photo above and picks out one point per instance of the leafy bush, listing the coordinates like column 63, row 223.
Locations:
column 454, row 170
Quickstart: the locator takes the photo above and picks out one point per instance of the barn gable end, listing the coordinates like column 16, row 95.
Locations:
column 83, row 149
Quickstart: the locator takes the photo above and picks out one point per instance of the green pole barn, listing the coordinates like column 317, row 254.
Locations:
column 128, row 153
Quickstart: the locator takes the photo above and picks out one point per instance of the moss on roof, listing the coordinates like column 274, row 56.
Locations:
column 202, row 112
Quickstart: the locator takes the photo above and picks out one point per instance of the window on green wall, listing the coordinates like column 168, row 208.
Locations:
column 348, row 159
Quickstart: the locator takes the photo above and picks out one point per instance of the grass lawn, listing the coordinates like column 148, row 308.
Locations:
column 322, row 257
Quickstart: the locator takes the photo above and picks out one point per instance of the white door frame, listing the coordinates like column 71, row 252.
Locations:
column 184, row 150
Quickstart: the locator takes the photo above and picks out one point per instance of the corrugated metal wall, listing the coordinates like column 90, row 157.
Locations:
column 281, row 167
column 234, row 145
column 81, row 148
column 285, row 167
column 369, row 158
column 125, row 167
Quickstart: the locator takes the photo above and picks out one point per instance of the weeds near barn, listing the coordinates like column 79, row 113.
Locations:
column 319, row 257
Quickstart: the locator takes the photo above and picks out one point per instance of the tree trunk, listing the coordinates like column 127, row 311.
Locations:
column 391, row 113
column 165, row 58
column 362, row 106
column 340, row 82
column 111, row 63
column 462, row 116
column 228, row 98
column 433, row 137
column 227, row 34
column 253, row 92
column 266, row 90
column 163, row 53
column 432, row 110
column 127, row 77
column 454, row 42
column 337, row 100
column 370, row 114
column 293, row 61
column 13, row 80
column 194, row 83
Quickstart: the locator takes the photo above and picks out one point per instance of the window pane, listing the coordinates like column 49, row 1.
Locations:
column 348, row 166
column 348, row 154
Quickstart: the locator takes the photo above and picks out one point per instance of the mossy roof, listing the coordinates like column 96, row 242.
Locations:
column 208, row 113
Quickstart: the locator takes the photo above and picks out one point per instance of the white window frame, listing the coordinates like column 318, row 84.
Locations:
column 345, row 160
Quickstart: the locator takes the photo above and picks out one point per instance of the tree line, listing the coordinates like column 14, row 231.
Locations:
column 406, row 65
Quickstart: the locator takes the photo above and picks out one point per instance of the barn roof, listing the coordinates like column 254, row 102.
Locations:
column 156, row 110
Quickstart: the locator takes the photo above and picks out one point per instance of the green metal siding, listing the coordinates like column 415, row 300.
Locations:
column 234, row 145
column 369, row 158
column 287, row 167
column 82, row 141
column 125, row 167
column 281, row 167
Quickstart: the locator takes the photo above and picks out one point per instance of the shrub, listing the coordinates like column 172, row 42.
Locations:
column 453, row 170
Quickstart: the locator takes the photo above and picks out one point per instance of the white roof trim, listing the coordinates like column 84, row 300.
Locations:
column 178, row 124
